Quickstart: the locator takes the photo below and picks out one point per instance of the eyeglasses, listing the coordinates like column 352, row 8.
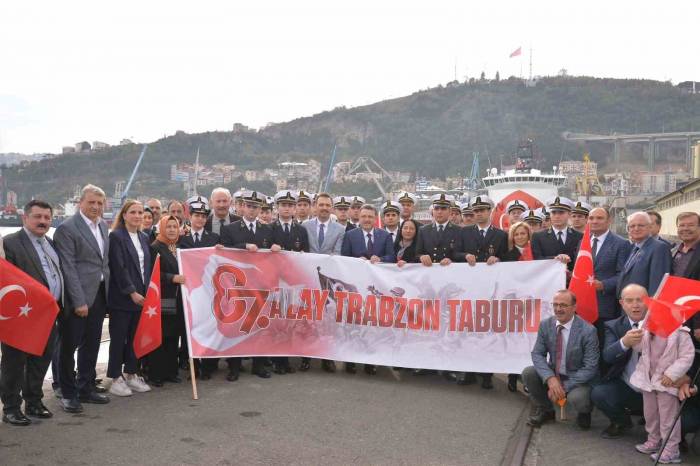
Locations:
column 561, row 305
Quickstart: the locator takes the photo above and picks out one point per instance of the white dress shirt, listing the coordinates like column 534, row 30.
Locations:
column 563, row 234
column 634, row 358
column 371, row 232
column 601, row 240
column 139, row 251
column 325, row 227
column 565, row 341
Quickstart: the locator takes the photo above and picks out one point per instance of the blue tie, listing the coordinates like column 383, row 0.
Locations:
column 633, row 258
column 370, row 244
column 321, row 234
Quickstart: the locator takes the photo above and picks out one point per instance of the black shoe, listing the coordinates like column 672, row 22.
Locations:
column 184, row 365
column 487, row 382
column 304, row 366
column 281, row 370
column 539, row 416
column 290, row 369
column 328, row 366
column 38, row 410
column 449, row 376
column 173, row 379
column 95, row 398
column 16, row 418
column 100, row 389
column 468, row 379
column 232, row 376
column 512, row 382
column 156, row 382
column 71, row 405
column 262, row 373
column 615, row 430
column 370, row 369
column 350, row 368
column 583, row 420
column 423, row 371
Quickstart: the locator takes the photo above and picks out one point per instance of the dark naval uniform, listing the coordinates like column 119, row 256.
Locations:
column 439, row 246
column 237, row 235
column 545, row 245
column 297, row 239
column 494, row 243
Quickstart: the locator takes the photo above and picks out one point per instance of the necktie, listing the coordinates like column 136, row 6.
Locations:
column 633, row 258
column 286, row 228
column 370, row 244
column 222, row 224
column 559, row 349
column 559, row 236
column 196, row 239
column 250, row 226
column 440, row 231
column 594, row 248
column 483, row 233
column 321, row 234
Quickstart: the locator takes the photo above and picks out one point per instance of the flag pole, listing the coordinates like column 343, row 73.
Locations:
column 678, row 415
column 195, row 396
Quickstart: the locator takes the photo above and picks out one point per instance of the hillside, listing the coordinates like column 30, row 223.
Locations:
column 432, row 132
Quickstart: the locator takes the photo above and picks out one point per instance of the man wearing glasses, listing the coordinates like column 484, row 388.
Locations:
column 565, row 362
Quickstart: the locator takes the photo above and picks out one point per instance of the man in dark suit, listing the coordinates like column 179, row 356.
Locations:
column 609, row 253
column 391, row 218
column 559, row 241
column 249, row 234
column 565, row 363
column 615, row 396
column 220, row 202
column 482, row 242
column 686, row 258
column 289, row 235
column 656, row 228
column 82, row 242
column 441, row 241
column 22, row 374
column 371, row 244
column 649, row 259
column 199, row 237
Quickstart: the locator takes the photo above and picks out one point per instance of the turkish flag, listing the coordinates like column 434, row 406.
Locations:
column 516, row 52
column 676, row 301
column 27, row 310
column 582, row 281
column 149, row 334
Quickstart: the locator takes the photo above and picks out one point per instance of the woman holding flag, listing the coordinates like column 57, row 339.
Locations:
column 130, row 270
column 163, row 361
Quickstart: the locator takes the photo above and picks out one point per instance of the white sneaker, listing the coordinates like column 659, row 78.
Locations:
column 120, row 388
column 137, row 384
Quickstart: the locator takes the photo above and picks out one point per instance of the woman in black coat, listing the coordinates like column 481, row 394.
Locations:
column 163, row 361
column 130, row 272
column 405, row 244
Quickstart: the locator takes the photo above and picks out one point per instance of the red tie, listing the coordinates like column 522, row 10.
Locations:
column 559, row 349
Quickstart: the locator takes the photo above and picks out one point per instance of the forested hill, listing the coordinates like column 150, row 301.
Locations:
column 432, row 132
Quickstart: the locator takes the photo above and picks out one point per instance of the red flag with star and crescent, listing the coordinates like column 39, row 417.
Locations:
column 676, row 301
column 27, row 310
column 583, row 281
column 149, row 334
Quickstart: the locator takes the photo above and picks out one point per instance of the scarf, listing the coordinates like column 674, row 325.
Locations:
column 172, row 244
column 526, row 255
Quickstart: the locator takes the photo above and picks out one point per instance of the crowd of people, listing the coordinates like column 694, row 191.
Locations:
column 616, row 365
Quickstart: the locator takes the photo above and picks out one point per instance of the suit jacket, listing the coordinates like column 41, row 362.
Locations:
column 409, row 254
column 349, row 226
column 126, row 275
column 648, row 268
column 495, row 243
column 545, row 245
column 168, row 269
column 207, row 240
column 83, row 265
column 296, row 240
column 609, row 263
column 237, row 235
column 332, row 239
column 613, row 354
column 354, row 245
column 449, row 246
column 20, row 252
column 232, row 218
column 582, row 352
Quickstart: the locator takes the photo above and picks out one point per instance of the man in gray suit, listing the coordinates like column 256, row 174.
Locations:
column 565, row 362
column 83, row 246
column 325, row 237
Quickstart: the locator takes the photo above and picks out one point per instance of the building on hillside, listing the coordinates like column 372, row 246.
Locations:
column 684, row 199
column 99, row 145
column 68, row 150
column 83, row 146
column 657, row 183
column 125, row 142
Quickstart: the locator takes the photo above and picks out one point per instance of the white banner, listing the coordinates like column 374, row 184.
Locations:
column 456, row 317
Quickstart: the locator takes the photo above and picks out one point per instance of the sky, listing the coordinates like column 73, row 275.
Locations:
column 102, row 71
